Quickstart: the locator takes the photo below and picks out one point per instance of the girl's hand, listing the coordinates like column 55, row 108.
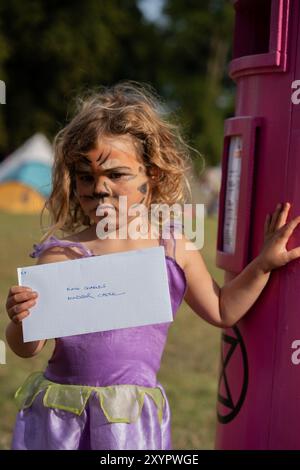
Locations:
column 19, row 300
column 276, row 235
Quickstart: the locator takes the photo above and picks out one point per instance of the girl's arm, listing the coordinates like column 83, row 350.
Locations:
column 224, row 306
column 19, row 300
column 14, row 337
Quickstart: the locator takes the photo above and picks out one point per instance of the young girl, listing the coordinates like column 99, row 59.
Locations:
column 100, row 390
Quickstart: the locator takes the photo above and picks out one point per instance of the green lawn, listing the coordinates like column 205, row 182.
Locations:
column 189, row 368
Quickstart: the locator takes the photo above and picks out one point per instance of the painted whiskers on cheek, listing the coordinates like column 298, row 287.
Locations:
column 138, row 203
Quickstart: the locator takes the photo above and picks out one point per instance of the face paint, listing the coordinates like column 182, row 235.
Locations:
column 111, row 170
column 143, row 188
column 138, row 203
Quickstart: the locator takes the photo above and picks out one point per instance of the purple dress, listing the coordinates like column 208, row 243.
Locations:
column 122, row 404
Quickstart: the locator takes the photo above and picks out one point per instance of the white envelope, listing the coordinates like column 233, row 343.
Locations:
column 99, row 293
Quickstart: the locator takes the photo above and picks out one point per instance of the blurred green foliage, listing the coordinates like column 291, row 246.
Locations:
column 51, row 50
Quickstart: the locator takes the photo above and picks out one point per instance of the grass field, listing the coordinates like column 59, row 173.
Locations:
column 189, row 368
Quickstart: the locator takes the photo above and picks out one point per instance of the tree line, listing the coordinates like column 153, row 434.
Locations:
column 50, row 50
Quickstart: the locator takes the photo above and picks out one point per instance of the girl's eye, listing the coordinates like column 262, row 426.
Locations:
column 90, row 178
column 116, row 175
column 86, row 178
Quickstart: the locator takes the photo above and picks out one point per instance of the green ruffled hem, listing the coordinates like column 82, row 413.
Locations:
column 120, row 403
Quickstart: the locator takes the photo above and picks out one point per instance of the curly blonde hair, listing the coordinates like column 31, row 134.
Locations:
column 126, row 108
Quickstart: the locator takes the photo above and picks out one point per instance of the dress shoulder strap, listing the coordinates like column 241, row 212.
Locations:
column 38, row 248
column 167, row 238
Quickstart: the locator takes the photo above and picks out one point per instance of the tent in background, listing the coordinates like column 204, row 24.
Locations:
column 25, row 176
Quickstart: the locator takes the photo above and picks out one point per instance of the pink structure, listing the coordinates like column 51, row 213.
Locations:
column 259, row 388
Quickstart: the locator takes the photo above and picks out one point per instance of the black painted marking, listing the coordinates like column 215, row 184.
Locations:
column 135, row 205
column 103, row 161
column 143, row 188
column 230, row 404
column 86, row 196
column 86, row 160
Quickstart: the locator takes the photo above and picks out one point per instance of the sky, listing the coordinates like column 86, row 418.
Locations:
column 151, row 9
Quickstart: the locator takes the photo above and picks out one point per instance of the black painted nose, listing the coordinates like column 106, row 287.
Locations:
column 100, row 195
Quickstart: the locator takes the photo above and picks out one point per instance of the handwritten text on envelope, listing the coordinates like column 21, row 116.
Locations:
column 107, row 292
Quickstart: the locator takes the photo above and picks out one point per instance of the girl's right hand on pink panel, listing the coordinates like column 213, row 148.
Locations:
column 19, row 300
column 277, row 232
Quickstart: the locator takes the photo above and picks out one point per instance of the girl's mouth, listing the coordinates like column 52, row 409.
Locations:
column 104, row 209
